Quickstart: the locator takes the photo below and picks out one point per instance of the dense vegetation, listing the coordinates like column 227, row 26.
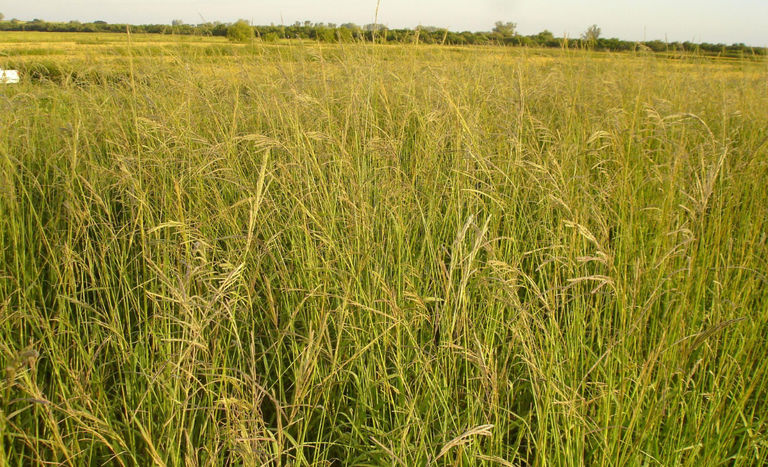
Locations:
column 352, row 254
column 349, row 32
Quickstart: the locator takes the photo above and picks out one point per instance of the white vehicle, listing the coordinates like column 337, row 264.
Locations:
column 9, row 76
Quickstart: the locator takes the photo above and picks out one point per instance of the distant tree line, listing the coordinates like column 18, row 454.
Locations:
column 502, row 34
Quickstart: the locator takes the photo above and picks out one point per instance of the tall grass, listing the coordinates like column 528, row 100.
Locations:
column 363, row 255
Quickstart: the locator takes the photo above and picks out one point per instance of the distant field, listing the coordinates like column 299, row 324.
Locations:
column 52, row 38
column 216, row 254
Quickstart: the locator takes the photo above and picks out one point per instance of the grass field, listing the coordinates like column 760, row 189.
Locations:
column 294, row 254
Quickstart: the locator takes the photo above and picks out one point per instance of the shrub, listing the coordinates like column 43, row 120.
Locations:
column 241, row 31
column 270, row 37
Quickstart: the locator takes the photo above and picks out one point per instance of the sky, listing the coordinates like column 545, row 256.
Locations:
column 714, row 21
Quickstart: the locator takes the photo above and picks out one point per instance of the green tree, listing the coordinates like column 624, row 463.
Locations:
column 592, row 34
column 545, row 36
column 505, row 29
column 241, row 31
column 2, row 16
column 323, row 34
column 344, row 34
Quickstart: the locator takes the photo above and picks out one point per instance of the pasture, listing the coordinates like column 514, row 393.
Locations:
column 298, row 254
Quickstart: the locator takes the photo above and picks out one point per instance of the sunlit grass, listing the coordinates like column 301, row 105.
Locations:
column 383, row 255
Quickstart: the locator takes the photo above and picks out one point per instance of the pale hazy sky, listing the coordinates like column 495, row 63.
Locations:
column 715, row 21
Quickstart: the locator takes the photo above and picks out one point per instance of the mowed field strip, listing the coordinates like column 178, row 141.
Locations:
column 295, row 254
